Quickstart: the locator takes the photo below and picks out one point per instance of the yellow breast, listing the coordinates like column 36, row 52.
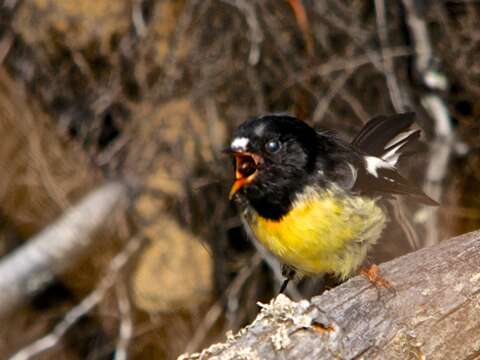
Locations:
column 323, row 232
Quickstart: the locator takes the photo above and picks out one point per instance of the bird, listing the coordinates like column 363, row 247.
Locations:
column 315, row 200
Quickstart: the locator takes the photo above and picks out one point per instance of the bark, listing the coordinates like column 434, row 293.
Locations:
column 35, row 264
column 432, row 312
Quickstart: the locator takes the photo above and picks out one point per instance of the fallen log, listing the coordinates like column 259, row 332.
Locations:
column 34, row 265
column 432, row 312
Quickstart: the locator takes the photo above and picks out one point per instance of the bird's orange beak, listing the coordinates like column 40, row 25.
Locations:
column 246, row 165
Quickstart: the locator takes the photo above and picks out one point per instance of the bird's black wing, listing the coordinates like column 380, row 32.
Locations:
column 379, row 132
column 380, row 144
column 387, row 181
column 369, row 164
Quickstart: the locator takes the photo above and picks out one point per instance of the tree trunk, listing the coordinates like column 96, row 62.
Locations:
column 432, row 312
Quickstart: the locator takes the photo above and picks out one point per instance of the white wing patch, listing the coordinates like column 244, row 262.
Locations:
column 375, row 163
column 240, row 144
column 392, row 155
column 400, row 137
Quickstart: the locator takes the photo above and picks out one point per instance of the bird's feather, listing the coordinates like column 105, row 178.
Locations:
column 383, row 140
column 378, row 133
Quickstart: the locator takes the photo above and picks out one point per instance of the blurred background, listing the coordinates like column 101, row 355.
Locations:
column 124, row 106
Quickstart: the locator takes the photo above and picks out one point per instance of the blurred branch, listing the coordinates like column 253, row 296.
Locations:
column 430, row 313
column 5, row 45
column 247, row 8
column 333, row 90
column 388, row 66
column 434, row 82
column 138, row 19
column 356, row 106
column 399, row 211
column 424, row 62
column 10, row 4
column 348, row 63
column 126, row 323
column 303, row 23
column 86, row 305
column 34, row 265
column 232, row 294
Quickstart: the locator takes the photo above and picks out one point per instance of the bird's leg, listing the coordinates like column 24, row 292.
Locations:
column 372, row 273
column 289, row 273
column 284, row 286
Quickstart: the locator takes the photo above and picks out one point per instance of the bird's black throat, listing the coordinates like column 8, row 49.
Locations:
column 275, row 201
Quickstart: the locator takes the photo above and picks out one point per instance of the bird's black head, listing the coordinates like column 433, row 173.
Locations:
column 274, row 156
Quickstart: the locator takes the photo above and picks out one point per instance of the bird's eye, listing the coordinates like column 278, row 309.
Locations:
column 272, row 146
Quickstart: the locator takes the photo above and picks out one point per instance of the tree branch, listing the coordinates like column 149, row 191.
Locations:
column 86, row 305
column 31, row 267
column 431, row 312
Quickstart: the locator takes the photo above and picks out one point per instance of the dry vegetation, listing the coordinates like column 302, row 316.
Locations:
column 148, row 92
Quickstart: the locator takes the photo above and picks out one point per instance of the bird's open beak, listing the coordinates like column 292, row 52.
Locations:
column 246, row 165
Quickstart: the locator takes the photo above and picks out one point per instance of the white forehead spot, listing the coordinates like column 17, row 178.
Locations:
column 240, row 143
column 259, row 130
